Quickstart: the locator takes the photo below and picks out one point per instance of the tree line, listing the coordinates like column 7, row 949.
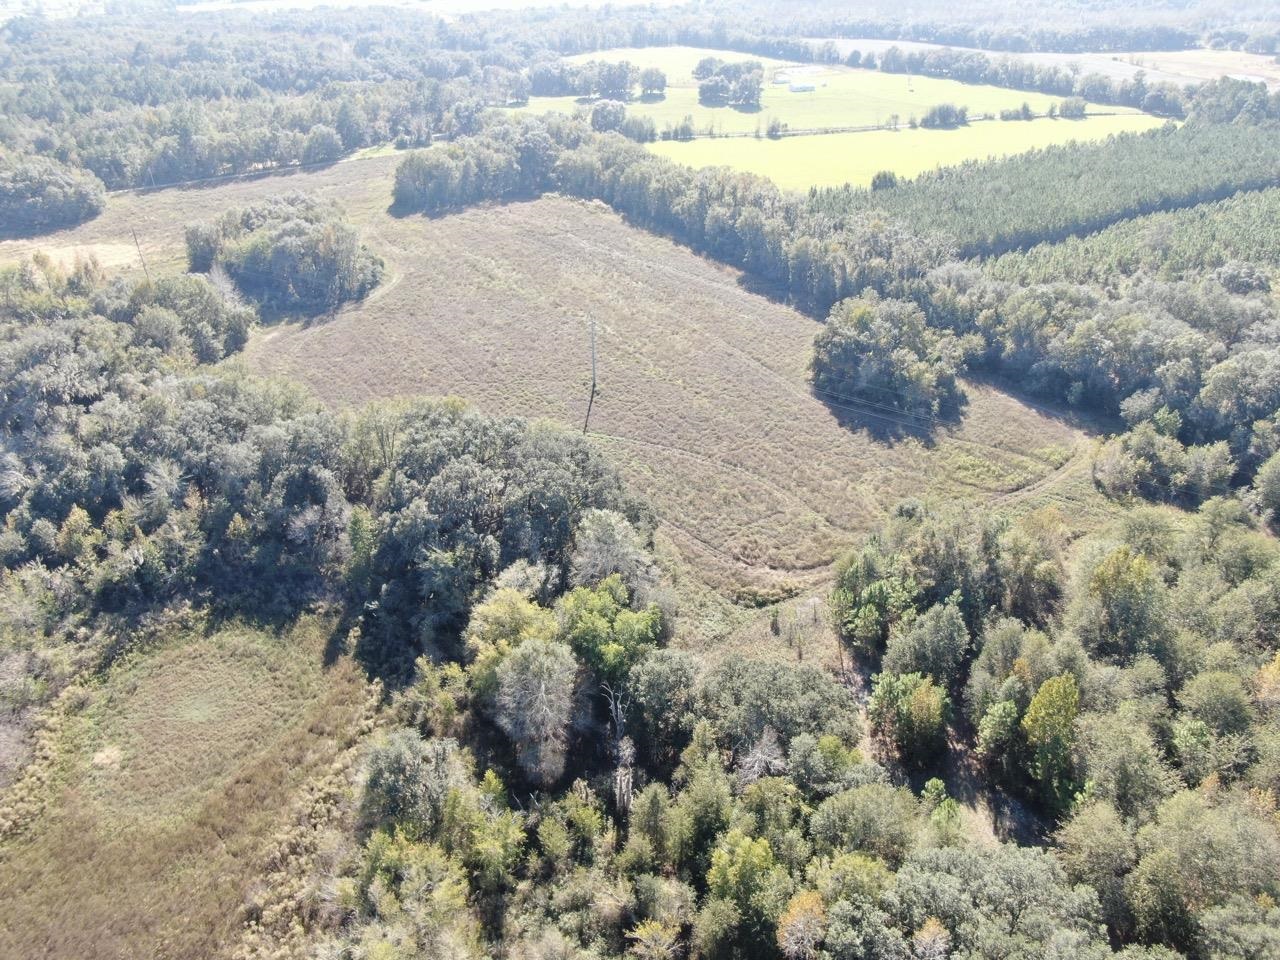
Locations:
column 990, row 207
column 163, row 99
column 148, row 101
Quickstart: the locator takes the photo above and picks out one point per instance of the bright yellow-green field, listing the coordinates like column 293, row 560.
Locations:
column 833, row 159
column 843, row 97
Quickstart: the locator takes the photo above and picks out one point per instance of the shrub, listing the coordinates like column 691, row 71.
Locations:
column 292, row 253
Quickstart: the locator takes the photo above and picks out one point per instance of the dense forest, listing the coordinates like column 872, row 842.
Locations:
column 1048, row 195
column 552, row 774
column 1110, row 693
column 136, row 474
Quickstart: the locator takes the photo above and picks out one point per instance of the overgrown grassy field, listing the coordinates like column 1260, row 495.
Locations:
column 169, row 776
column 842, row 97
column 832, row 160
column 704, row 400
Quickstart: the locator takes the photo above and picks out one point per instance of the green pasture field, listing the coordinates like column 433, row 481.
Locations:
column 798, row 163
column 842, row 97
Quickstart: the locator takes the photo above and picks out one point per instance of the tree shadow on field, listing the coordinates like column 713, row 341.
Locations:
column 651, row 98
column 271, row 316
column 280, row 172
column 773, row 291
column 884, row 421
column 402, row 211
column 1088, row 420
column 24, row 231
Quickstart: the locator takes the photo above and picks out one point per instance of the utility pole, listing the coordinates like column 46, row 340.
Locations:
column 592, row 398
column 140, row 256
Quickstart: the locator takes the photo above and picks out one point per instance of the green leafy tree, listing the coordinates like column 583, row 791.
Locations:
column 1219, row 699
column 1096, row 847
column 1049, row 726
column 39, row 194
column 910, row 711
column 875, row 818
column 1121, row 761
column 1122, row 612
column 869, row 599
column 1195, row 855
column 653, row 82
column 410, row 779
column 661, row 693
column 883, row 353
column 600, row 627
column 534, row 702
column 607, row 115
column 1266, row 486
column 935, row 645
column 498, row 626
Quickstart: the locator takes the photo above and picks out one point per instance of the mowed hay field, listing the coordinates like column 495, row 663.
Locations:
column 169, row 778
column 703, row 399
column 842, row 97
column 832, row 160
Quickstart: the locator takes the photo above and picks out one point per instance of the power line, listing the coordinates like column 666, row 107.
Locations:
column 140, row 256
column 866, row 408
column 591, row 399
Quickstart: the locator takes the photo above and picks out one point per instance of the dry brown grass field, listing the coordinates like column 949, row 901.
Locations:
column 168, row 782
column 703, row 385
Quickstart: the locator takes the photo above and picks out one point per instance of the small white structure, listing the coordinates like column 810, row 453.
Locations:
column 802, row 86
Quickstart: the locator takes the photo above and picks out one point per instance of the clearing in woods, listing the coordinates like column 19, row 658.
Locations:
column 167, row 779
column 842, row 97
column 704, row 399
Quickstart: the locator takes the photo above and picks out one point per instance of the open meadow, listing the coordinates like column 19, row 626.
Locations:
column 166, row 780
column 831, row 160
column 842, row 97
